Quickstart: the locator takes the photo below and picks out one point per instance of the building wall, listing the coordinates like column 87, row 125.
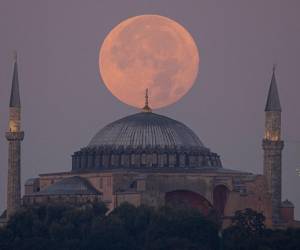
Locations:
column 150, row 188
column 255, row 197
column 60, row 199
column 249, row 193
column 103, row 182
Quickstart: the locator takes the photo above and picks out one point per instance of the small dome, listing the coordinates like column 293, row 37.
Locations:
column 31, row 181
column 287, row 203
column 146, row 129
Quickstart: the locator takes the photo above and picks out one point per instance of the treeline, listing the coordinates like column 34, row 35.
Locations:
column 89, row 227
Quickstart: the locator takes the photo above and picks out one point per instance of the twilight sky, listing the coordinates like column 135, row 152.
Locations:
column 65, row 103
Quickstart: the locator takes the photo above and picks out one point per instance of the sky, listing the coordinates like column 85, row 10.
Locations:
column 64, row 102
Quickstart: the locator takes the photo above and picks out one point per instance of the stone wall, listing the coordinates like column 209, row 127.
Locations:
column 60, row 199
column 151, row 187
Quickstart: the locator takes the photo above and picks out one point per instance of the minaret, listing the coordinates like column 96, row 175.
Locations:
column 14, row 137
column 272, row 146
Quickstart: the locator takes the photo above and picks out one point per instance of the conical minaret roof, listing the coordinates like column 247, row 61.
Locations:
column 273, row 101
column 15, row 94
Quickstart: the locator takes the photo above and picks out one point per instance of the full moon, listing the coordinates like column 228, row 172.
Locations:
column 149, row 52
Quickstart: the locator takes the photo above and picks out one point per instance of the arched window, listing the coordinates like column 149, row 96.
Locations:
column 220, row 194
column 185, row 198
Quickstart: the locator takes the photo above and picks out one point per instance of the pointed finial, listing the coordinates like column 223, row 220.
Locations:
column 15, row 55
column 274, row 67
column 146, row 108
column 146, row 98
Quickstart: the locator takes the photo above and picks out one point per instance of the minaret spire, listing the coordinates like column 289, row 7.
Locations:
column 273, row 101
column 15, row 94
column 14, row 137
column 146, row 108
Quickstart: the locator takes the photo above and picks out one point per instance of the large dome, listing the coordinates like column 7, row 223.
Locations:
column 146, row 129
column 145, row 140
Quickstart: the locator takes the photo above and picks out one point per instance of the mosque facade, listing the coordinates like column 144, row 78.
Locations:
column 150, row 159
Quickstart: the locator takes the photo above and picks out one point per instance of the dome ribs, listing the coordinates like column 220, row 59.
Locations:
column 145, row 140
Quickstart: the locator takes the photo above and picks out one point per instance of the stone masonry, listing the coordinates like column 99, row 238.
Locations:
column 14, row 171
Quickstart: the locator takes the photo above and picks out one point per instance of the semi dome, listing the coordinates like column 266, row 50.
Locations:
column 73, row 185
column 145, row 140
column 146, row 129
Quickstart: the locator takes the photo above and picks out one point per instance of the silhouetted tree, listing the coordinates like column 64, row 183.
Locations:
column 246, row 230
column 126, row 228
column 249, row 220
column 88, row 227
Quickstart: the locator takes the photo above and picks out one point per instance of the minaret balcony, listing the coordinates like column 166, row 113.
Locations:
column 272, row 145
column 14, row 136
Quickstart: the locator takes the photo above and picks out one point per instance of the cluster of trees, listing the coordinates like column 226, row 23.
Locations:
column 89, row 227
column 248, row 232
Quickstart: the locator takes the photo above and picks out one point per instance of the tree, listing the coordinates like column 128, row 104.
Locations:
column 185, row 226
column 246, row 230
column 50, row 227
column 126, row 228
column 64, row 227
column 250, row 221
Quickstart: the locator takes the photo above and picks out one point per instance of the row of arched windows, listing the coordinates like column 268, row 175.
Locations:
column 88, row 159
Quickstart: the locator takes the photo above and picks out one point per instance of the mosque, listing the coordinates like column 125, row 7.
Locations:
column 151, row 159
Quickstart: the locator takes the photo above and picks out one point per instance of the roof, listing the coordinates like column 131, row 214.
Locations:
column 31, row 181
column 74, row 185
column 146, row 129
column 204, row 170
column 15, row 95
column 3, row 215
column 273, row 101
column 287, row 203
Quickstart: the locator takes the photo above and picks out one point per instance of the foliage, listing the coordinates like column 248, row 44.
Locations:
column 126, row 228
column 250, row 221
column 248, row 232
column 89, row 227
